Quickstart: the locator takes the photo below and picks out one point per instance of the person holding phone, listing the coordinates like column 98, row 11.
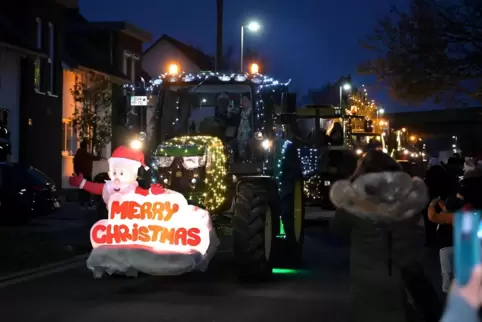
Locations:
column 464, row 302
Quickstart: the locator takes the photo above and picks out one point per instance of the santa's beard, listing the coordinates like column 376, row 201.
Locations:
column 123, row 188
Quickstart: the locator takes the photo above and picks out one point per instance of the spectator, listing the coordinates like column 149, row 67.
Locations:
column 464, row 302
column 378, row 210
column 83, row 163
column 469, row 197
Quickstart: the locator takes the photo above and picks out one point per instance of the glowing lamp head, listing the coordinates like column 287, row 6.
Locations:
column 258, row 136
column 359, row 152
column 173, row 69
column 404, row 130
column 346, row 86
column 413, row 138
column 253, row 26
column 266, row 144
column 254, row 68
column 136, row 144
column 385, row 150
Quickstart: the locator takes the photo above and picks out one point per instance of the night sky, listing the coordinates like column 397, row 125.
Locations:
column 310, row 41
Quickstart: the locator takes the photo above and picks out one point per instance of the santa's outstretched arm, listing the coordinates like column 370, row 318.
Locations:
column 89, row 186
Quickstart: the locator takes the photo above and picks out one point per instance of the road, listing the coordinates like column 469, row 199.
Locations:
column 319, row 291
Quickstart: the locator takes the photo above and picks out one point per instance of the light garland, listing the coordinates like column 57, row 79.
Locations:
column 262, row 81
column 311, row 188
column 213, row 194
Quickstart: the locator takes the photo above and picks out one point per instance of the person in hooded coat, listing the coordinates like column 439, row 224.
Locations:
column 378, row 209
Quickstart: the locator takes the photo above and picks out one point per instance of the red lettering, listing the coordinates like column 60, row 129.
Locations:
column 118, row 208
column 168, row 235
column 124, row 234
column 170, row 209
column 181, row 237
column 133, row 211
column 193, row 237
column 157, row 209
column 98, row 234
column 156, row 232
column 144, row 234
column 146, row 210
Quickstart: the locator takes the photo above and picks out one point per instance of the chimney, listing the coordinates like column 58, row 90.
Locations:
column 69, row 4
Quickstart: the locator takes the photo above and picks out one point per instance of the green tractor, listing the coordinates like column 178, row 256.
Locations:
column 329, row 148
column 220, row 140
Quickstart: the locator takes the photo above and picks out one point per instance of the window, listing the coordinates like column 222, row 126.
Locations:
column 69, row 138
column 129, row 68
column 134, row 61
column 51, row 57
column 38, row 62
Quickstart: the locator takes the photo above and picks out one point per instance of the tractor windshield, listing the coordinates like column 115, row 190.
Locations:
column 362, row 139
column 224, row 111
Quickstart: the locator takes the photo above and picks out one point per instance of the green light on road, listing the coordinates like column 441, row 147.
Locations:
column 288, row 271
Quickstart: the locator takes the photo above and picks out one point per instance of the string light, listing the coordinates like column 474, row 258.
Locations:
column 259, row 80
column 212, row 194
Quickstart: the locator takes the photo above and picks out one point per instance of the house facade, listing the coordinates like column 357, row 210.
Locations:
column 31, row 86
column 167, row 50
column 97, row 54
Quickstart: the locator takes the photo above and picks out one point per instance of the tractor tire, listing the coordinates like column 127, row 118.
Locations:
column 255, row 224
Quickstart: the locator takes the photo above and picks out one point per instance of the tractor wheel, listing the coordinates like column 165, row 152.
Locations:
column 293, row 215
column 255, row 223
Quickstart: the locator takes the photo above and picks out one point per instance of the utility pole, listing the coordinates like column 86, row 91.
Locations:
column 219, row 35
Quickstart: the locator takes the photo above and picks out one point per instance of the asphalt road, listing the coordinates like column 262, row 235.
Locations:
column 318, row 292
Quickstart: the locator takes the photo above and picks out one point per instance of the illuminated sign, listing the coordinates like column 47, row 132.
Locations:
column 162, row 223
column 139, row 100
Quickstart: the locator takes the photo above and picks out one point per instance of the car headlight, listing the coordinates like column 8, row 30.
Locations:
column 266, row 144
column 136, row 144
column 164, row 162
column 193, row 162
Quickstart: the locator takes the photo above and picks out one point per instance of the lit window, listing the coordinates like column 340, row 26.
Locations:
column 51, row 57
column 69, row 138
column 37, row 64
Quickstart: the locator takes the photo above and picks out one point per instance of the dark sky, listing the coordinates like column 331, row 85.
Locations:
column 310, row 41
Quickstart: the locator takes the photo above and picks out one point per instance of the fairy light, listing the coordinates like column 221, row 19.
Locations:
column 213, row 194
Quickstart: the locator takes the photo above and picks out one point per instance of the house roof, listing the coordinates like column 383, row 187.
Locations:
column 80, row 52
column 202, row 60
column 12, row 38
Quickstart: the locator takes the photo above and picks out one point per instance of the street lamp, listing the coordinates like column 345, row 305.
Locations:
column 346, row 87
column 252, row 26
column 380, row 111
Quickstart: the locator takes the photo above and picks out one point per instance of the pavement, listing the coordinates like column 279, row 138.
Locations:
column 58, row 236
column 317, row 292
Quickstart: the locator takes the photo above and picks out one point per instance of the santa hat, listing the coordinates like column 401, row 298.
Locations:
column 129, row 157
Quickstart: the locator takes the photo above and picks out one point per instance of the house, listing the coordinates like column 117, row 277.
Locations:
column 167, row 50
column 99, row 57
column 30, row 81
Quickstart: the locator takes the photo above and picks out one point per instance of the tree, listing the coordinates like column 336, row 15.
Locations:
column 92, row 115
column 433, row 50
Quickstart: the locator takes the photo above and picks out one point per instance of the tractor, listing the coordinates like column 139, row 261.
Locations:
column 327, row 152
column 220, row 140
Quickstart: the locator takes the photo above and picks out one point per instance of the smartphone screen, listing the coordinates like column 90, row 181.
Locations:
column 466, row 244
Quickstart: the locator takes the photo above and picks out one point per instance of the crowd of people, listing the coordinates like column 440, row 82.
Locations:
column 380, row 212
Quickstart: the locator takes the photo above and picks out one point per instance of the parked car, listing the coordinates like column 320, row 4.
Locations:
column 25, row 193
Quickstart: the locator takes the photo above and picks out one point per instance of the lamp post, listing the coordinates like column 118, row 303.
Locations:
column 380, row 111
column 346, row 87
column 252, row 26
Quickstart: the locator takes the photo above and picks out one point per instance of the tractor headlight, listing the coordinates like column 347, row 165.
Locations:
column 193, row 162
column 136, row 144
column 359, row 151
column 164, row 162
column 266, row 144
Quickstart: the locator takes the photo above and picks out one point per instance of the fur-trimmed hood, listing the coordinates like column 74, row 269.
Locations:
column 382, row 196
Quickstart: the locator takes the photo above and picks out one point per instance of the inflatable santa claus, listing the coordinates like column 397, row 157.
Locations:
column 124, row 165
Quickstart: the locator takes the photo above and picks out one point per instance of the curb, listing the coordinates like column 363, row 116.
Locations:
column 41, row 269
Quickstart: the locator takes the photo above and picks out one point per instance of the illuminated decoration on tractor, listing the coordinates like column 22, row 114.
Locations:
column 196, row 152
